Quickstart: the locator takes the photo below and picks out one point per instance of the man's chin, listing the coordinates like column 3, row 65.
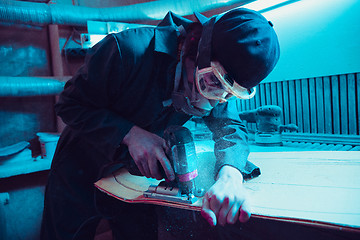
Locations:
column 213, row 103
column 206, row 105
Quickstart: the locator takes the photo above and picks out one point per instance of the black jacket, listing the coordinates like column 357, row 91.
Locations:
column 123, row 83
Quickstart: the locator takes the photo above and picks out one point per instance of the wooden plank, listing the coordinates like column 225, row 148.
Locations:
column 335, row 104
column 257, row 97
column 305, row 105
column 327, row 105
column 316, row 145
column 320, row 104
column 301, row 144
column 352, row 104
column 323, row 147
column 344, row 119
column 337, row 147
column 252, row 103
column 313, row 114
column 247, row 104
column 238, row 104
column 299, row 110
column 247, row 107
column 357, row 149
column 268, row 93
column 345, row 148
column 286, row 108
column 358, row 101
column 280, row 101
column 262, row 94
column 322, row 138
column 308, row 145
column 243, row 107
column 292, row 102
column 330, row 147
column 274, row 94
column 252, row 107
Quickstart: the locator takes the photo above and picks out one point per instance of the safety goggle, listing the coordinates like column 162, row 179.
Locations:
column 214, row 83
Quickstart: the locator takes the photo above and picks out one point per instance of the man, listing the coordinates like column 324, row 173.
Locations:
column 137, row 83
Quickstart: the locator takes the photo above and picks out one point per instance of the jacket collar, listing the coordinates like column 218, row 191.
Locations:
column 167, row 32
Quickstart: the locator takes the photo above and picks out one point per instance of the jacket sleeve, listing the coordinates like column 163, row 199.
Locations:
column 85, row 104
column 231, row 139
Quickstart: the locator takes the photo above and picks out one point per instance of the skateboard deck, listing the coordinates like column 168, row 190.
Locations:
column 313, row 188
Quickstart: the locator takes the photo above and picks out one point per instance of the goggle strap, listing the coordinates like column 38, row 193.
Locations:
column 204, row 51
column 186, row 83
column 179, row 66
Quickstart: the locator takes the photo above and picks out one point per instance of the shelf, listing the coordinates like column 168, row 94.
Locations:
column 23, row 163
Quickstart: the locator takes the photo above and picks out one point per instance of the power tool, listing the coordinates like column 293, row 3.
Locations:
column 182, row 155
column 267, row 119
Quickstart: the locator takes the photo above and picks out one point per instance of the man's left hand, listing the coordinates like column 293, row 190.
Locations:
column 225, row 202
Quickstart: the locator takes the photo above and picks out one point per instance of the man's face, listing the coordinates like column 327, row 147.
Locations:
column 211, row 88
column 210, row 83
column 190, row 71
column 214, row 83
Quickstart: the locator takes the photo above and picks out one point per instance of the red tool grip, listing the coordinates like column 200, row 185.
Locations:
column 188, row 176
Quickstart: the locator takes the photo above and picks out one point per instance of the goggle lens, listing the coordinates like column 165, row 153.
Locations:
column 213, row 83
column 211, row 87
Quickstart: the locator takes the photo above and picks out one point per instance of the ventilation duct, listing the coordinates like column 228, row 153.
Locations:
column 31, row 86
column 61, row 14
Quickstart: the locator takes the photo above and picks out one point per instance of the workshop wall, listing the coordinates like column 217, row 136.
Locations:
column 318, row 43
column 24, row 51
column 317, row 39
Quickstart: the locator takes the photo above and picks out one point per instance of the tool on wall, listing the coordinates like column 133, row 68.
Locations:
column 268, row 124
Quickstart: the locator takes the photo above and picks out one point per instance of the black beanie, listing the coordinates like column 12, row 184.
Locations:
column 245, row 43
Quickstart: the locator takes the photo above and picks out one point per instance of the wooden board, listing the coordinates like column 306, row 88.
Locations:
column 316, row 188
column 130, row 188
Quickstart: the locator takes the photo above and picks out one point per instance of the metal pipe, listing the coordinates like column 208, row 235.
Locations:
column 57, row 65
column 31, row 86
column 43, row 13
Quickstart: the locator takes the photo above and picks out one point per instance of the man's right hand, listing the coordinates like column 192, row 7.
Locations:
column 147, row 149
